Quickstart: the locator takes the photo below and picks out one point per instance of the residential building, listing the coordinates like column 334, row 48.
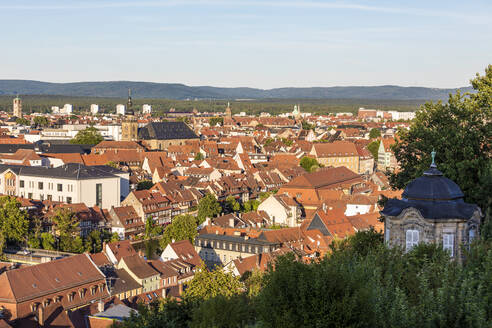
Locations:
column 386, row 157
column 141, row 272
column 70, row 183
column 336, row 154
column 282, row 210
column 221, row 249
column 72, row 282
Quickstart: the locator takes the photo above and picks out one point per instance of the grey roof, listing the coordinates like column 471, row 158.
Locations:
column 431, row 210
column 121, row 281
column 434, row 196
column 235, row 239
column 166, row 131
column 10, row 149
column 432, row 186
column 67, row 171
column 118, row 312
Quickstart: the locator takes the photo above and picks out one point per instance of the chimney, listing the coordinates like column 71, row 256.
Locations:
column 231, row 222
column 180, row 286
column 100, row 306
column 40, row 315
column 324, row 207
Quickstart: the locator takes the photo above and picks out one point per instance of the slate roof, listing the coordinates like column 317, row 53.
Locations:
column 434, row 196
column 166, row 131
column 67, row 171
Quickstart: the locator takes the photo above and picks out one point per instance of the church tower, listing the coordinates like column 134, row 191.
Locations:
column 228, row 112
column 17, row 107
column 129, row 126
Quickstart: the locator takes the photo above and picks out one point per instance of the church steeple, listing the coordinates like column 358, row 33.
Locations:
column 129, row 103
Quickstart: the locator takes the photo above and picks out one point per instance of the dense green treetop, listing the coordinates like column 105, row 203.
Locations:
column 88, row 136
column 208, row 207
column 183, row 227
column 460, row 131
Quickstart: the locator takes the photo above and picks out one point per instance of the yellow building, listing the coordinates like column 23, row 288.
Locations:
column 336, row 154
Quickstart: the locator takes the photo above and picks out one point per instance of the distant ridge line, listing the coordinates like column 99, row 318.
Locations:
column 119, row 89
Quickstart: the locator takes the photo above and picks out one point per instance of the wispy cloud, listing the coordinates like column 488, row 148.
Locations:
column 471, row 18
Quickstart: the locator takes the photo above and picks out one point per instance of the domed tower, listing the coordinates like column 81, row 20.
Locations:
column 432, row 210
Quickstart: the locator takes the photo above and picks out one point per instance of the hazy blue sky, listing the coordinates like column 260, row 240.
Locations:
column 246, row 42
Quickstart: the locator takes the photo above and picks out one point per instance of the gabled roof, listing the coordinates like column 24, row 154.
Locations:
column 322, row 178
column 139, row 267
column 186, row 252
column 34, row 281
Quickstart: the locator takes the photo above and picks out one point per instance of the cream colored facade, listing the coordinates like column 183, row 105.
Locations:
column 63, row 189
column 221, row 249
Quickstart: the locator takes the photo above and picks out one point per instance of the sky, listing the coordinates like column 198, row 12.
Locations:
column 247, row 43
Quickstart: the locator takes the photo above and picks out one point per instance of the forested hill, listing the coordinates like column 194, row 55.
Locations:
column 181, row 91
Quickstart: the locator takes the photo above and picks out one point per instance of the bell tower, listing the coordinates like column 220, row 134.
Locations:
column 129, row 126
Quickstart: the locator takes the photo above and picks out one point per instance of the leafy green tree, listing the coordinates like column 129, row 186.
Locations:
column 151, row 228
column 268, row 141
column 14, row 223
column 250, row 205
column 460, row 131
column 183, row 227
column 35, row 226
column 216, row 120
column 199, row 156
column 309, row 164
column 374, row 133
column 48, row 241
column 22, row 121
column 144, row 185
column 208, row 207
column 65, row 222
column 167, row 313
column 232, row 204
column 88, row 136
column 223, row 312
column 287, row 142
column 41, row 121
column 208, row 284
column 373, row 147
column 77, row 245
column 112, row 164
column 93, row 242
column 307, row 126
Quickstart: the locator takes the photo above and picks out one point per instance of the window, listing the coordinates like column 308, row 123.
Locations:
column 50, row 197
column 99, row 194
column 29, row 195
column 59, row 187
column 69, row 200
column 412, row 239
column 448, row 243
column 21, row 183
column 471, row 235
column 40, row 185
